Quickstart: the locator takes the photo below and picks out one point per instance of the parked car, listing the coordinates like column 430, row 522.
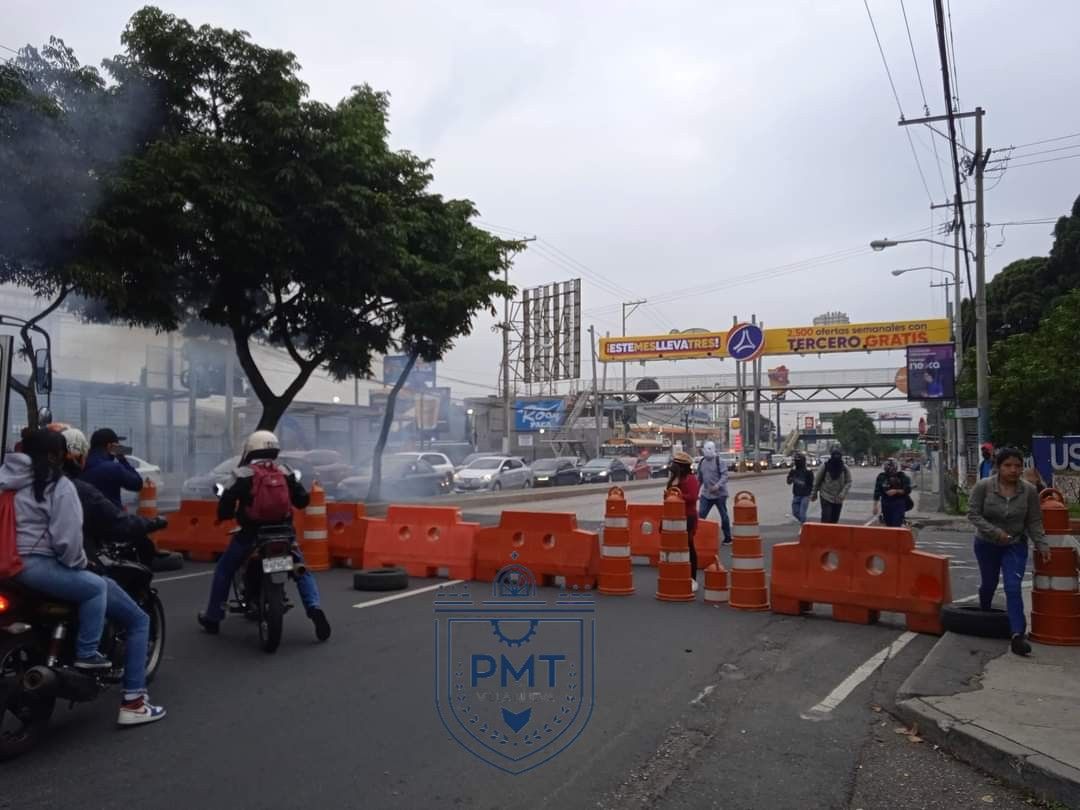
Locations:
column 659, row 464
column 604, row 470
column 780, row 462
column 556, row 472
column 324, row 466
column 439, row 461
column 731, row 459
column 639, row 468
column 402, row 476
column 469, row 459
column 148, row 472
column 493, row 473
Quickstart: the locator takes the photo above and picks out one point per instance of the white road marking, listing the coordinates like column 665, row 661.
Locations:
column 184, row 576
column 406, row 594
column 838, row 695
column 708, row 690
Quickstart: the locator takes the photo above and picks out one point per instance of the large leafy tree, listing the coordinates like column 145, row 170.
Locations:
column 280, row 218
column 62, row 132
column 855, row 431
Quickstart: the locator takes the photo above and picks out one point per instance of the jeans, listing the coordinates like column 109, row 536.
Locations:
column 691, row 530
column 705, row 506
column 830, row 512
column 52, row 578
column 893, row 510
column 800, row 506
column 236, row 554
column 122, row 609
column 1010, row 560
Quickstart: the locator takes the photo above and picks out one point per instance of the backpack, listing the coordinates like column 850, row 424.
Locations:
column 270, row 499
column 10, row 561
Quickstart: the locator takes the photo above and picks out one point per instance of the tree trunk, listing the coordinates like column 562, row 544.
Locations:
column 375, row 488
column 273, row 406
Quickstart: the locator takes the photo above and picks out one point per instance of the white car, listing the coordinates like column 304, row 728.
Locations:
column 440, row 462
column 493, row 473
column 148, row 472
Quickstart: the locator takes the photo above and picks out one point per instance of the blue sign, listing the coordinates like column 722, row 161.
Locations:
column 533, row 414
column 422, row 375
column 1060, row 456
column 514, row 675
column 930, row 372
column 745, row 341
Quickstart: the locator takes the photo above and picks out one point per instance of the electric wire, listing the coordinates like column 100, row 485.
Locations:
column 922, row 91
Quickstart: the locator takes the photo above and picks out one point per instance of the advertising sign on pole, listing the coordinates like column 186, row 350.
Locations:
column 1058, row 461
column 930, row 372
column 421, row 376
column 533, row 414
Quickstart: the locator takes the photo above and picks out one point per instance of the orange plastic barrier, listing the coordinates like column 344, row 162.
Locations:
column 347, row 528
column 716, row 584
column 748, row 587
column 148, row 500
column 422, row 540
column 1055, row 599
column 860, row 571
column 194, row 529
column 645, row 530
column 616, row 568
column 314, row 536
column 549, row 544
column 673, row 583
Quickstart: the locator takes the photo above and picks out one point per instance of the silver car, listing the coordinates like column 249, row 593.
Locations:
column 493, row 473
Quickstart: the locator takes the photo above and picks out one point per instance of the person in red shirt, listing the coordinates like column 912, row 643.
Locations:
column 687, row 483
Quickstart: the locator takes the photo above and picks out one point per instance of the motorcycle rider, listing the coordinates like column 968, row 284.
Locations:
column 49, row 538
column 108, row 469
column 262, row 447
column 101, row 519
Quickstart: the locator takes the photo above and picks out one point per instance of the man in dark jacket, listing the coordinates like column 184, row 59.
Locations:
column 261, row 446
column 802, row 484
column 107, row 469
column 892, row 493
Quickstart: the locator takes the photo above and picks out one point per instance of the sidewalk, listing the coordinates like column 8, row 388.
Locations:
column 1015, row 718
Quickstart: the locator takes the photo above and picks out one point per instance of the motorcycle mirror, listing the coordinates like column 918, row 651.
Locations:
column 42, row 371
column 219, row 490
column 297, row 475
column 44, row 417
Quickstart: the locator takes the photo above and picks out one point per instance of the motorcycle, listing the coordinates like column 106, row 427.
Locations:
column 37, row 649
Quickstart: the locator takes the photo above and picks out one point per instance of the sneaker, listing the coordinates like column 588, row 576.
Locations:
column 139, row 712
column 95, row 662
column 1020, row 645
column 322, row 626
column 211, row 626
column 727, row 541
column 693, row 586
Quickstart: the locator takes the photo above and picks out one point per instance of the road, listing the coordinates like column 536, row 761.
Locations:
column 696, row 706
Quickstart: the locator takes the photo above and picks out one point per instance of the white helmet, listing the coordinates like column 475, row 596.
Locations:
column 77, row 444
column 263, row 443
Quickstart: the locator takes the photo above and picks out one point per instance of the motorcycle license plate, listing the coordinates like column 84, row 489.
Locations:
column 275, row 565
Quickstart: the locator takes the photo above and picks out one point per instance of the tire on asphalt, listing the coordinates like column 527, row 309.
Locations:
column 381, row 579
column 970, row 620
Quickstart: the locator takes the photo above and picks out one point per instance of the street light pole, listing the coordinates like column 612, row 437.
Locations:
column 982, row 380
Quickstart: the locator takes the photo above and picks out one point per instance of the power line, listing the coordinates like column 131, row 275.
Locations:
column 1038, row 162
column 1012, row 156
column 1047, row 140
column 926, row 104
column 6, row 48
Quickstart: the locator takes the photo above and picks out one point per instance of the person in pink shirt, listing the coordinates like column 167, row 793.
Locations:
column 687, row 483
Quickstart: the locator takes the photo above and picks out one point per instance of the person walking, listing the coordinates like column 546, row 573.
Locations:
column 892, row 494
column 832, row 483
column 986, row 466
column 687, row 483
column 713, row 477
column 801, row 481
column 1006, row 514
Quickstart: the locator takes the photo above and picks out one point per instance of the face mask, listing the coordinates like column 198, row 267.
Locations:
column 710, row 450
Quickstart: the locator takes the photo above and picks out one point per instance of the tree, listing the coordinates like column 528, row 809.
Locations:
column 855, row 431
column 62, row 131
column 1035, row 387
column 453, row 272
column 285, row 220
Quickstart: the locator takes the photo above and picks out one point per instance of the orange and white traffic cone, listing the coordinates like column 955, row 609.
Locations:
column 315, row 542
column 674, row 583
column 616, row 567
column 148, row 500
column 716, row 584
column 748, row 588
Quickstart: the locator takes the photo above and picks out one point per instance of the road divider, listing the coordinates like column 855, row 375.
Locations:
column 549, row 544
column 424, row 540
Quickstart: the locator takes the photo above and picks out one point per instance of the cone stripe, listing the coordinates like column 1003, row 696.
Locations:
column 747, row 563
column 745, row 530
column 614, row 551
column 317, row 534
column 617, row 523
column 715, row 596
column 675, row 556
column 673, row 525
column 1045, row 583
column 315, row 510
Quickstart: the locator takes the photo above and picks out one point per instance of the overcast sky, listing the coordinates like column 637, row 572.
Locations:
column 679, row 144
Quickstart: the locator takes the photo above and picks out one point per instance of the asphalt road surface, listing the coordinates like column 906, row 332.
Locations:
column 695, row 706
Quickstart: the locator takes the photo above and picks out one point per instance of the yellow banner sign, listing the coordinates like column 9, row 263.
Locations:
column 841, row 337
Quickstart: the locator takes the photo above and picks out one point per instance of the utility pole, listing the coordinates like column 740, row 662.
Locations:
column 982, row 380
column 597, row 404
column 755, row 369
column 633, row 308
column 508, row 425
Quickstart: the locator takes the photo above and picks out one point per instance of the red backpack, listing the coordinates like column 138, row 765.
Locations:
column 10, row 561
column 270, row 500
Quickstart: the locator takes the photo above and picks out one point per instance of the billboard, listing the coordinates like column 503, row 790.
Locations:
column 551, row 332
column 1058, row 461
column 931, row 373
column 422, row 375
column 533, row 414
column 825, row 339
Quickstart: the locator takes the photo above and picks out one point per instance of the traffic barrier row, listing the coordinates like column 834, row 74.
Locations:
column 424, row 540
column 1055, row 597
column 644, row 521
column 860, row 571
column 549, row 544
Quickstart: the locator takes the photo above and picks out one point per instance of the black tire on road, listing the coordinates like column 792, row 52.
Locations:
column 272, row 615
column 381, row 579
column 156, row 650
column 970, row 620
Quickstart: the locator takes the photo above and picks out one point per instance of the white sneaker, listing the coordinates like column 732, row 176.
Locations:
column 693, row 586
column 139, row 712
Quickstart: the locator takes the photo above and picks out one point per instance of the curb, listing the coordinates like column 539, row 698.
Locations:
column 996, row 755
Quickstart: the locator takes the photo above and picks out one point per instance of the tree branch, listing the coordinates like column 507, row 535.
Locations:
column 250, row 367
column 283, row 330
